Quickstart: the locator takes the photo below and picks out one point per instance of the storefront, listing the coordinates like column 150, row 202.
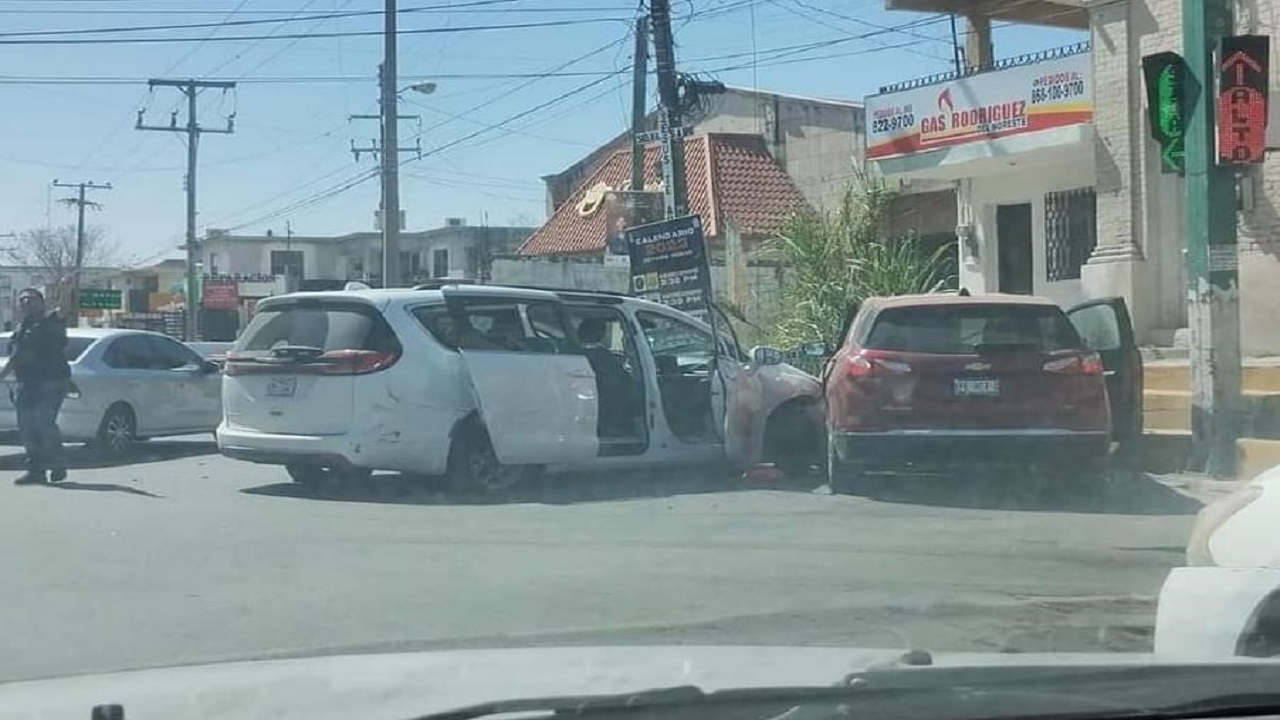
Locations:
column 1018, row 144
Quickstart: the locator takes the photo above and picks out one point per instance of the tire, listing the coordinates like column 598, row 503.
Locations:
column 314, row 476
column 846, row 478
column 117, row 432
column 473, row 467
column 307, row 475
column 791, row 441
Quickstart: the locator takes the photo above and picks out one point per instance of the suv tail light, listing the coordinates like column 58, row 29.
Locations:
column 865, row 365
column 334, row 362
column 1089, row 364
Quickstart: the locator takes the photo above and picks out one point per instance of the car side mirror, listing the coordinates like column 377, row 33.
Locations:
column 816, row 349
column 764, row 355
column 210, row 367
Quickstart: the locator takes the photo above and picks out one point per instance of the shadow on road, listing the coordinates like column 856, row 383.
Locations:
column 99, row 487
column 1121, row 493
column 81, row 457
column 552, row 490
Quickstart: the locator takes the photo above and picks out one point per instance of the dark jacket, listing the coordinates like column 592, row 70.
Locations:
column 38, row 349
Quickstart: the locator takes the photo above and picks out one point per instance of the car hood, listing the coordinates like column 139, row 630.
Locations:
column 407, row 684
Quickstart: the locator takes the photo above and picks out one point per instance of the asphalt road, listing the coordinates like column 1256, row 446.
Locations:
column 185, row 556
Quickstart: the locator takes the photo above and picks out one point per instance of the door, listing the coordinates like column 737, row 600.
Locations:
column 1106, row 328
column 152, row 393
column 533, row 384
column 736, row 395
column 1013, row 243
column 198, row 390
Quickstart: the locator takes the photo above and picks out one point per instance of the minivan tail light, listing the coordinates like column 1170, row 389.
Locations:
column 334, row 362
column 1076, row 365
column 353, row 362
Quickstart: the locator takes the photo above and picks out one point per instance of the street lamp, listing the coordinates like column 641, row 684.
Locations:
column 426, row 88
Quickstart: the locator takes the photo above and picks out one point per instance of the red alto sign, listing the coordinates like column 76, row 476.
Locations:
column 1244, row 72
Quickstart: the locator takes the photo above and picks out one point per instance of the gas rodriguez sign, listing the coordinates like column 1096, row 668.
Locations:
column 1045, row 95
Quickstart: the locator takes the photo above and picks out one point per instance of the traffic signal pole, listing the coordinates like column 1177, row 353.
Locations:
column 1213, row 281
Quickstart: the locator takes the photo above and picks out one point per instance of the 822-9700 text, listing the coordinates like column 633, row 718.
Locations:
column 893, row 123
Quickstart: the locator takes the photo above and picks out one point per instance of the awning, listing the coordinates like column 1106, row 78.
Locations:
column 985, row 158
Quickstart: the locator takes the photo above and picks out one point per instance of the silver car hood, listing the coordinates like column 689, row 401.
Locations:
column 395, row 686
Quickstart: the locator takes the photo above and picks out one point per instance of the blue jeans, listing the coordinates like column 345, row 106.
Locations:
column 37, row 405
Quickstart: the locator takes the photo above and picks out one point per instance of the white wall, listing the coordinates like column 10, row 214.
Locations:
column 1011, row 188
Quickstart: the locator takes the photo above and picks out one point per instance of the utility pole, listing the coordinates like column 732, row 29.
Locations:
column 80, row 203
column 389, row 107
column 670, row 127
column 387, row 153
column 1212, row 260
column 639, row 101
column 193, row 130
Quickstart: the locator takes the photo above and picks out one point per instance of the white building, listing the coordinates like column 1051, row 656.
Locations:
column 456, row 251
column 1058, row 182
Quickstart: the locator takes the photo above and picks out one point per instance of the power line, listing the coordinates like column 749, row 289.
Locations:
column 314, row 36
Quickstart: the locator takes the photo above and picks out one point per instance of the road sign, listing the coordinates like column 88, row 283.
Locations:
column 656, row 135
column 1166, row 79
column 98, row 299
column 1244, row 70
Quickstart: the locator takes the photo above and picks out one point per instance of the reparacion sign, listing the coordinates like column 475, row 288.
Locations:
column 669, row 264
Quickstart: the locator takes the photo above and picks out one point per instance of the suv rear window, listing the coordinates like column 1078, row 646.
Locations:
column 326, row 326
column 962, row 329
column 75, row 346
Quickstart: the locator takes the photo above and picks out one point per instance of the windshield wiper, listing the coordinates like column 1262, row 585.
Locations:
column 577, row 704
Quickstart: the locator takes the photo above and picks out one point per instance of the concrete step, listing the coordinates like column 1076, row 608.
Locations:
column 1253, row 456
column 1260, row 375
column 1171, row 410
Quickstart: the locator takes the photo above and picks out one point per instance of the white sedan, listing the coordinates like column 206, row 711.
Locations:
column 1227, row 601
column 129, row 385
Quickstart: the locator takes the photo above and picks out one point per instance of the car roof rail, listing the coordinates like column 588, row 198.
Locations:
column 544, row 288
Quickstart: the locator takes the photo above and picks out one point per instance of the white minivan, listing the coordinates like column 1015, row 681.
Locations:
column 486, row 383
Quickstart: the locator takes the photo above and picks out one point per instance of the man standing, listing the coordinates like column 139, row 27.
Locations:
column 37, row 359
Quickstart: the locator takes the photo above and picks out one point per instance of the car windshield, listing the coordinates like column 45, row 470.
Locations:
column 436, row 352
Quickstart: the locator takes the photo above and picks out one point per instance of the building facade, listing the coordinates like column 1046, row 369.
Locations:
column 1058, row 181
column 454, row 251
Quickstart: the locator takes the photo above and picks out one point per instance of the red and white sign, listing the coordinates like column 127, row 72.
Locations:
column 1023, row 99
column 220, row 296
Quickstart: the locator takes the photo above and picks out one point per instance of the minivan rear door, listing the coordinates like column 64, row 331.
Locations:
column 533, row 384
column 297, row 366
column 1106, row 328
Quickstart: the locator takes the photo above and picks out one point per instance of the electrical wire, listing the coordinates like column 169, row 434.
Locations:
column 316, row 36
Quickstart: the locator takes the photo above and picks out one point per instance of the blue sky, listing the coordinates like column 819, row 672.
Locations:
column 293, row 138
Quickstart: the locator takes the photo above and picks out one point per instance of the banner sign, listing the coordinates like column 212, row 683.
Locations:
column 218, row 295
column 669, row 264
column 1028, row 98
column 625, row 209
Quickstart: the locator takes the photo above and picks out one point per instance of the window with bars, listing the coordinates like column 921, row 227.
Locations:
column 1070, row 232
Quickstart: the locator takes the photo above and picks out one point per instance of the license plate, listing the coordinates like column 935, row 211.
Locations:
column 282, row 387
column 977, row 387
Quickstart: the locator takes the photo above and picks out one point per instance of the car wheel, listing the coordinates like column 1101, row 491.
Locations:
column 308, row 475
column 791, row 441
column 474, row 468
column 118, row 431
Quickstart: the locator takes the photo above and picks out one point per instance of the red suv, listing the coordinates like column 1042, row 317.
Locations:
column 926, row 383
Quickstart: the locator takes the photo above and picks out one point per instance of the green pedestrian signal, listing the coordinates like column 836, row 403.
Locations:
column 1166, row 75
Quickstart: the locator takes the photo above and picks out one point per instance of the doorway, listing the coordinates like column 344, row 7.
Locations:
column 1013, row 242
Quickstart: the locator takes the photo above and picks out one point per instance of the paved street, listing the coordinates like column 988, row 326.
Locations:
column 186, row 557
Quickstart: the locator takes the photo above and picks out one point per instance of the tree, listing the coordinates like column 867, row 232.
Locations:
column 836, row 259
column 51, row 252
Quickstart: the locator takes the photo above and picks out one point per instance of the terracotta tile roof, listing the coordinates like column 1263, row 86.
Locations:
column 730, row 178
